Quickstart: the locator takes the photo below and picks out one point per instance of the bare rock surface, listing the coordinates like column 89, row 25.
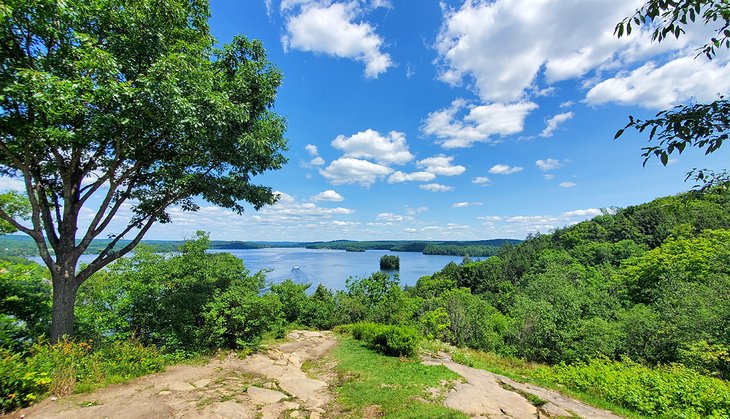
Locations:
column 270, row 384
column 487, row 395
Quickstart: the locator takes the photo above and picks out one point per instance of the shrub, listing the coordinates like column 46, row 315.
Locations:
column 671, row 391
column 20, row 384
column 240, row 317
column 387, row 339
column 71, row 366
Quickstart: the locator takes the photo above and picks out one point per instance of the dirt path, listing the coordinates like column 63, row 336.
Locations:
column 488, row 395
column 267, row 385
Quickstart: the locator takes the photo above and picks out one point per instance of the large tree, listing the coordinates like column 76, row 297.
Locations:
column 112, row 106
column 702, row 125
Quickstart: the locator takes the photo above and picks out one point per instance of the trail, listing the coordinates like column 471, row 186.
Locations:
column 488, row 395
column 265, row 385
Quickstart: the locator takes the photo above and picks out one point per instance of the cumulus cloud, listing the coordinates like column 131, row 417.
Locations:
column 548, row 164
column 399, row 177
column 502, row 45
column 466, row 204
column 548, row 176
column 662, row 86
column 370, row 144
column 441, row 165
column 503, row 169
column 435, row 187
column 590, row 212
column 567, row 184
column 328, row 195
column 462, row 125
column 287, row 209
column 506, row 50
column 481, row 180
column 317, row 161
column 312, row 149
column 552, row 124
column 335, row 29
column 348, row 170
column 393, row 218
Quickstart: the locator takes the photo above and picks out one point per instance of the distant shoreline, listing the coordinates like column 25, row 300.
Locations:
column 21, row 245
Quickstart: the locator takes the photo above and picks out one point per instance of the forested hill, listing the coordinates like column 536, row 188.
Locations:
column 22, row 245
column 649, row 282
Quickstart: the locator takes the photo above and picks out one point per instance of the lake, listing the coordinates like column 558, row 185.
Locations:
column 332, row 267
column 328, row 267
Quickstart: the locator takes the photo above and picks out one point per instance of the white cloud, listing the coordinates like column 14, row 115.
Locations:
column 548, row 164
column 479, row 124
column 567, row 184
column 466, row 204
column 317, row 161
column 441, row 165
column 393, row 218
column 548, row 176
column 662, row 86
column 567, row 104
column 344, row 223
column 503, row 169
column 435, row 187
column 328, row 195
column 553, row 123
column 287, row 209
column 399, row 177
column 590, row 212
column 370, row 144
column 414, row 211
column 11, row 184
column 507, row 50
column 481, row 180
column 502, row 45
column 331, row 28
column 347, row 170
column 312, row 149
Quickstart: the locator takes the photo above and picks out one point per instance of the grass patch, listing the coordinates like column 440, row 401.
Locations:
column 534, row 399
column 373, row 385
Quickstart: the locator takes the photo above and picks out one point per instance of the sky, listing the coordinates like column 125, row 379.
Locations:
column 458, row 120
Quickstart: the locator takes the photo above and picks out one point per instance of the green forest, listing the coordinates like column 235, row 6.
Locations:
column 630, row 308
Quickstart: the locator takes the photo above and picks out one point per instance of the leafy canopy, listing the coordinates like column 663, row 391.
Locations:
column 114, row 104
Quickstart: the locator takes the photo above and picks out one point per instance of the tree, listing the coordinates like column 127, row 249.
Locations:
column 702, row 125
column 107, row 105
column 389, row 262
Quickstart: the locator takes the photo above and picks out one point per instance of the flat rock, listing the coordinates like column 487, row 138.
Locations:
column 264, row 395
column 202, row 383
column 233, row 410
column 180, row 386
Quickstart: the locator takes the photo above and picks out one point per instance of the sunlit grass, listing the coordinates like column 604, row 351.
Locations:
column 375, row 384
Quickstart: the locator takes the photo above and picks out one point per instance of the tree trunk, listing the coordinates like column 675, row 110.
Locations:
column 65, row 288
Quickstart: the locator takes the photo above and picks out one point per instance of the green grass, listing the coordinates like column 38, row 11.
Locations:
column 394, row 387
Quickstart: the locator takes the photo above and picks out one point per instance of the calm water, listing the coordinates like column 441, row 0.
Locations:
column 329, row 267
column 332, row 267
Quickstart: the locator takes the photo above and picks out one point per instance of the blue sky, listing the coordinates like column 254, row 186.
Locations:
column 458, row 120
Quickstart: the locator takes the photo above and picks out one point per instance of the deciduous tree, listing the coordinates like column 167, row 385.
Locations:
column 111, row 106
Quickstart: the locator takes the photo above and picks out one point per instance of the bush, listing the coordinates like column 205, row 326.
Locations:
column 20, row 384
column 389, row 263
column 671, row 391
column 240, row 317
column 387, row 339
column 71, row 366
